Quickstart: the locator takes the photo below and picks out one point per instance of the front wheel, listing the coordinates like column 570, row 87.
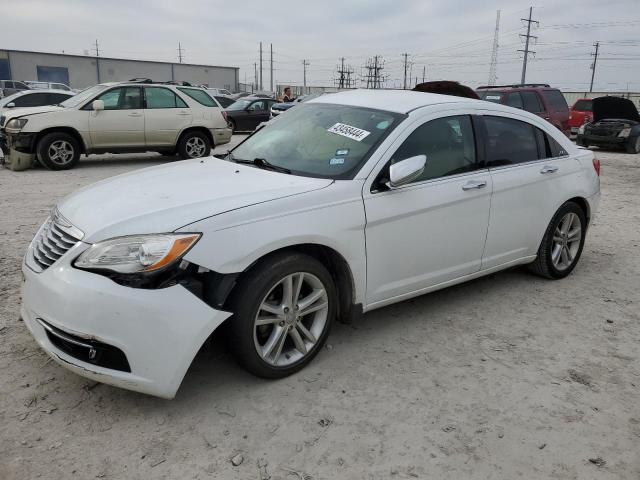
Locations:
column 194, row 144
column 58, row 151
column 562, row 243
column 282, row 314
column 634, row 146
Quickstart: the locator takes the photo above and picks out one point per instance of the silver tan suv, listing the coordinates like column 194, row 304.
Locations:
column 124, row 117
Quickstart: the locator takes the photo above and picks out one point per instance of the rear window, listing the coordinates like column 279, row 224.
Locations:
column 556, row 100
column 495, row 97
column 583, row 106
column 199, row 96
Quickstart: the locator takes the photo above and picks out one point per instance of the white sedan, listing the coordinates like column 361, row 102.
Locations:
column 348, row 203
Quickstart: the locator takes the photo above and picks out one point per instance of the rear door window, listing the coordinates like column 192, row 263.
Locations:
column 510, row 141
column 158, row 97
column 532, row 102
column 556, row 100
column 33, row 100
column 515, row 100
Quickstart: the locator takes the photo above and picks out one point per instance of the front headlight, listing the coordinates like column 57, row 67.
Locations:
column 137, row 253
column 16, row 124
column 581, row 130
column 625, row 132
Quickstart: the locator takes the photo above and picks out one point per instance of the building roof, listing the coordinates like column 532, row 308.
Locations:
column 91, row 57
column 399, row 101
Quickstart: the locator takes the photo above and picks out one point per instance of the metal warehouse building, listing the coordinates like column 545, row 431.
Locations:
column 80, row 71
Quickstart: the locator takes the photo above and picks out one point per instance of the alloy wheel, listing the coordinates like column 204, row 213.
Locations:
column 291, row 319
column 566, row 241
column 60, row 152
column 195, row 147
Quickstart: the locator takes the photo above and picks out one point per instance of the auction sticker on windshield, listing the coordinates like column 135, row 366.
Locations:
column 348, row 131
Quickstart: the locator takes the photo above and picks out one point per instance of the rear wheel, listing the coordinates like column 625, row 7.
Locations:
column 562, row 243
column 194, row 144
column 232, row 125
column 282, row 315
column 634, row 145
column 58, row 151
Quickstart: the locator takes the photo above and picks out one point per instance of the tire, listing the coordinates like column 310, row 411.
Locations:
column 194, row 144
column 550, row 264
column 256, row 346
column 58, row 151
column 232, row 124
column 633, row 146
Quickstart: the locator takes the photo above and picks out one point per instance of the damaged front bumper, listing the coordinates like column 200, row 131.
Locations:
column 137, row 339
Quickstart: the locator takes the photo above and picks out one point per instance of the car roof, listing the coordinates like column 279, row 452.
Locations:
column 398, row 101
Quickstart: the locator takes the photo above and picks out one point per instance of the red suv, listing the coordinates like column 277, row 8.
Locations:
column 538, row 98
column 581, row 113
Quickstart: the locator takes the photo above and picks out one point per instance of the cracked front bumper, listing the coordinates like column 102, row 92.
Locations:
column 159, row 331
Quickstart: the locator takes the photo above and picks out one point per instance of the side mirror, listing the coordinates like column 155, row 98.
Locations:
column 10, row 105
column 98, row 105
column 406, row 171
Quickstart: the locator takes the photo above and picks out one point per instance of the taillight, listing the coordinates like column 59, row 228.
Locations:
column 596, row 166
column 224, row 114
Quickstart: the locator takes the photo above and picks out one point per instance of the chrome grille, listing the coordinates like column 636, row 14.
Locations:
column 52, row 241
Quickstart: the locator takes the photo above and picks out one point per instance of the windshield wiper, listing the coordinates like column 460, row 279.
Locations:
column 260, row 163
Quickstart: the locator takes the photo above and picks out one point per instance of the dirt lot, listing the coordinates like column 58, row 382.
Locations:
column 509, row 376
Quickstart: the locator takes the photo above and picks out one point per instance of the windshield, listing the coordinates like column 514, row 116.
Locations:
column 83, row 96
column 320, row 140
column 583, row 106
column 239, row 105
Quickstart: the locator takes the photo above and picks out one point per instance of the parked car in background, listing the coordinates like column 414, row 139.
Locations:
column 118, row 118
column 537, row 98
column 239, row 95
column 224, row 101
column 344, row 205
column 9, row 87
column 219, row 91
column 248, row 112
column 281, row 107
column 29, row 98
column 616, row 123
column 580, row 113
column 47, row 85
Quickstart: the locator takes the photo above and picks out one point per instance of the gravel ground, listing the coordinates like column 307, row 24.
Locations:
column 509, row 376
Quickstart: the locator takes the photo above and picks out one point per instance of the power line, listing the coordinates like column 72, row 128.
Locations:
column 494, row 52
column 593, row 65
column 527, row 37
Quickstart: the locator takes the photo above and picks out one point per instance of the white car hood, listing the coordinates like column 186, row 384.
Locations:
column 167, row 197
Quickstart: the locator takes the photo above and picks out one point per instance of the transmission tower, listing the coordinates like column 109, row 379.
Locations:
column 494, row 53
column 527, row 38
column 344, row 79
column 374, row 68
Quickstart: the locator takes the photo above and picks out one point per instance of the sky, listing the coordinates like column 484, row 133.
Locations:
column 446, row 39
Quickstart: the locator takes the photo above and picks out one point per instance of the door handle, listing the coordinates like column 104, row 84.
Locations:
column 548, row 169
column 474, row 185
column 135, row 114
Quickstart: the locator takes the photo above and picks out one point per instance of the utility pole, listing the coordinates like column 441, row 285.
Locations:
column 271, row 61
column 344, row 72
column 260, row 66
column 374, row 67
column 97, row 48
column 179, row 52
column 527, row 37
column 255, row 78
column 405, row 55
column 424, row 73
column 494, row 52
column 593, row 66
column 305, row 64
